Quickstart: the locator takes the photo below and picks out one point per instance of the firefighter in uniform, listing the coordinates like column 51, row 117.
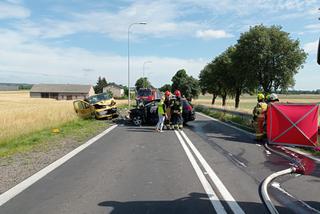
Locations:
column 168, row 106
column 259, row 113
column 176, row 109
column 274, row 98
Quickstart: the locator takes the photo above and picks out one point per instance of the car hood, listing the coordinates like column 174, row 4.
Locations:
column 103, row 102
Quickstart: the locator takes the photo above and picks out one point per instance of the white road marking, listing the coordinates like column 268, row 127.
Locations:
column 277, row 186
column 303, row 153
column 268, row 152
column 205, row 183
column 11, row 193
column 215, row 179
column 236, row 160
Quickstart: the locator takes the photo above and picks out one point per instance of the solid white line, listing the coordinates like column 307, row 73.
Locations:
column 226, row 124
column 205, row 183
column 11, row 193
column 303, row 153
column 277, row 186
column 215, row 179
column 264, row 189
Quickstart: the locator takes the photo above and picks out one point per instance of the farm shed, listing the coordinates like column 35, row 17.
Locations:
column 61, row 91
column 116, row 90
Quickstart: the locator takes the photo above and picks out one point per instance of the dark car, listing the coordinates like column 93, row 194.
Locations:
column 147, row 113
column 188, row 113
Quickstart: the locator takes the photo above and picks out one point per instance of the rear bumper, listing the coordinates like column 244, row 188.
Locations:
column 190, row 116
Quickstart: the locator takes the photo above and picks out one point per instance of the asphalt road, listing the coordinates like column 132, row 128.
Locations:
column 207, row 168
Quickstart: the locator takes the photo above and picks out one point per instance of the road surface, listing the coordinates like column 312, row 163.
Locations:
column 206, row 168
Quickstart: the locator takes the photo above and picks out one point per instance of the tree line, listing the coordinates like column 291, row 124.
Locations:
column 264, row 59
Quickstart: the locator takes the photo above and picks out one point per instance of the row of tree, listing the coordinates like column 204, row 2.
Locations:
column 188, row 85
column 264, row 59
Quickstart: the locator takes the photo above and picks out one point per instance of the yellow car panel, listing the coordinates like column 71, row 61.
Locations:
column 100, row 105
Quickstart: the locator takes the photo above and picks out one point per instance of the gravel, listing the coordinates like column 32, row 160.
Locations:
column 20, row 166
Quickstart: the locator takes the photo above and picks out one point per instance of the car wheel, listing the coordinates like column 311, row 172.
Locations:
column 137, row 120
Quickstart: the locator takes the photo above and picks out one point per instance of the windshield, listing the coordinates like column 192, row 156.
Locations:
column 99, row 97
column 144, row 92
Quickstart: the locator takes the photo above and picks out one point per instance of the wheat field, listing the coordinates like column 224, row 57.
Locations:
column 20, row 114
column 247, row 102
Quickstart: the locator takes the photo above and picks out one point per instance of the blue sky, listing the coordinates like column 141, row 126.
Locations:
column 75, row 41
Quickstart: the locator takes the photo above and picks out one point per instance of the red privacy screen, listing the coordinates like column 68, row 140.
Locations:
column 293, row 124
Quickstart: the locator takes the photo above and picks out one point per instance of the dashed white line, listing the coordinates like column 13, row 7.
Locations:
column 236, row 160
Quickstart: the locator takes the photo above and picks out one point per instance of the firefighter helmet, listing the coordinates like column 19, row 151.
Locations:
column 260, row 97
column 177, row 93
column 167, row 93
column 274, row 97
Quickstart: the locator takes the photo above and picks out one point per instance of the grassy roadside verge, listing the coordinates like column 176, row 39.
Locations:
column 243, row 124
column 77, row 130
column 225, row 117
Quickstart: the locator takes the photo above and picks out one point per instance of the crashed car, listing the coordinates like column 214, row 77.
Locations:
column 147, row 113
column 100, row 106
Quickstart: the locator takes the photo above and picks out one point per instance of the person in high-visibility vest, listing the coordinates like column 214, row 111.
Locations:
column 259, row 113
column 162, row 116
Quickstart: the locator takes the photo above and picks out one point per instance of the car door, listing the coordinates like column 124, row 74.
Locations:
column 83, row 109
column 153, row 112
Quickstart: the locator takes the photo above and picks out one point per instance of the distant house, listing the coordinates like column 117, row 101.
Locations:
column 115, row 89
column 61, row 91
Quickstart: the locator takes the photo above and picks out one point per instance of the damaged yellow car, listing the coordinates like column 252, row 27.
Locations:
column 100, row 106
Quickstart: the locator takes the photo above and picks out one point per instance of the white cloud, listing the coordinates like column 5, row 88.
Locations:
column 162, row 19
column 245, row 7
column 311, row 47
column 10, row 10
column 313, row 27
column 212, row 34
column 22, row 61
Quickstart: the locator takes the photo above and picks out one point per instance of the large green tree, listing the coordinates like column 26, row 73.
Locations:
column 165, row 87
column 206, row 82
column 269, row 57
column 142, row 82
column 188, row 85
column 101, row 83
column 223, row 75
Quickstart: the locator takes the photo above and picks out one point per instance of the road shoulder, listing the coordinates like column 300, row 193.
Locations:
column 19, row 166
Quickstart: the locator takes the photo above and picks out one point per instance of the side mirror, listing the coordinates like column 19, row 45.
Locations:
column 318, row 59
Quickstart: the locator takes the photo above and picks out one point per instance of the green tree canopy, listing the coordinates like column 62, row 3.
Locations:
column 188, row 85
column 166, row 87
column 270, row 57
column 101, row 83
column 142, row 82
column 206, row 80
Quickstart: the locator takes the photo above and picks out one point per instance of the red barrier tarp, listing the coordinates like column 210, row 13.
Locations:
column 293, row 124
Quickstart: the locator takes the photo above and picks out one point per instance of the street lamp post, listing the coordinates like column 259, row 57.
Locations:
column 136, row 23
column 144, row 81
